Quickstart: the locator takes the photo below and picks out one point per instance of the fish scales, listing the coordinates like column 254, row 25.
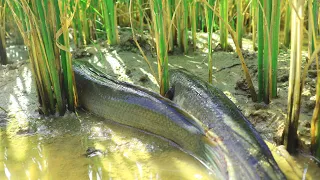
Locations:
column 137, row 107
column 248, row 155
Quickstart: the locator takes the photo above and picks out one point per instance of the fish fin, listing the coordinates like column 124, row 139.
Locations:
column 170, row 93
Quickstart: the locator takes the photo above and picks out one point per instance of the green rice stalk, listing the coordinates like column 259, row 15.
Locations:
column 266, row 54
column 48, row 45
column 95, row 20
column 198, row 15
column 223, row 29
column 92, row 17
column 254, row 15
column 194, row 18
column 312, row 24
column 160, row 38
column 274, row 31
column 36, row 52
column 178, row 19
column 239, row 22
column 140, row 3
column 315, row 12
column 84, row 4
column 45, row 57
column 238, row 51
column 123, row 18
column 78, row 27
column 181, row 24
column 62, row 38
column 43, row 89
column 75, row 23
column 42, row 76
column 169, row 28
column 287, row 26
column 203, row 19
column 210, row 20
column 110, row 23
column 260, row 24
column 268, row 11
column 3, row 53
column 185, row 26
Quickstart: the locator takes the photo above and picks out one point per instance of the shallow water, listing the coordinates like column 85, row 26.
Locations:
column 56, row 149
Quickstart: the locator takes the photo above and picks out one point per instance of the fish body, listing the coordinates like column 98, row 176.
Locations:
column 140, row 108
column 247, row 155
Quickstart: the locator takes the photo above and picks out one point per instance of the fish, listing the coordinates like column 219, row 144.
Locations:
column 139, row 108
column 247, row 155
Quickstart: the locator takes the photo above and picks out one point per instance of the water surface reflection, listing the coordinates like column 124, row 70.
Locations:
column 58, row 149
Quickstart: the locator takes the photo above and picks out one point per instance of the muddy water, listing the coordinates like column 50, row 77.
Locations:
column 57, row 149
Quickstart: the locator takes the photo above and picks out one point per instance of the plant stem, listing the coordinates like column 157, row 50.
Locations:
column 223, row 29
column 290, row 136
column 239, row 22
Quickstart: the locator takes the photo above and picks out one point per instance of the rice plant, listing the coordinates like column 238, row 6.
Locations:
column 315, row 121
column 239, row 22
column 287, row 25
column 312, row 25
column 50, row 61
column 108, row 8
column 3, row 54
column 268, row 47
column 181, row 22
column 158, row 8
column 238, row 51
column 80, row 24
column 274, row 32
column 260, row 51
column 254, row 16
column 294, row 94
column 169, row 21
column 194, row 7
column 223, row 28
column 210, row 21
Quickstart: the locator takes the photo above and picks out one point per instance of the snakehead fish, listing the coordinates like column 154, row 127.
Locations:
column 247, row 155
column 140, row 108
